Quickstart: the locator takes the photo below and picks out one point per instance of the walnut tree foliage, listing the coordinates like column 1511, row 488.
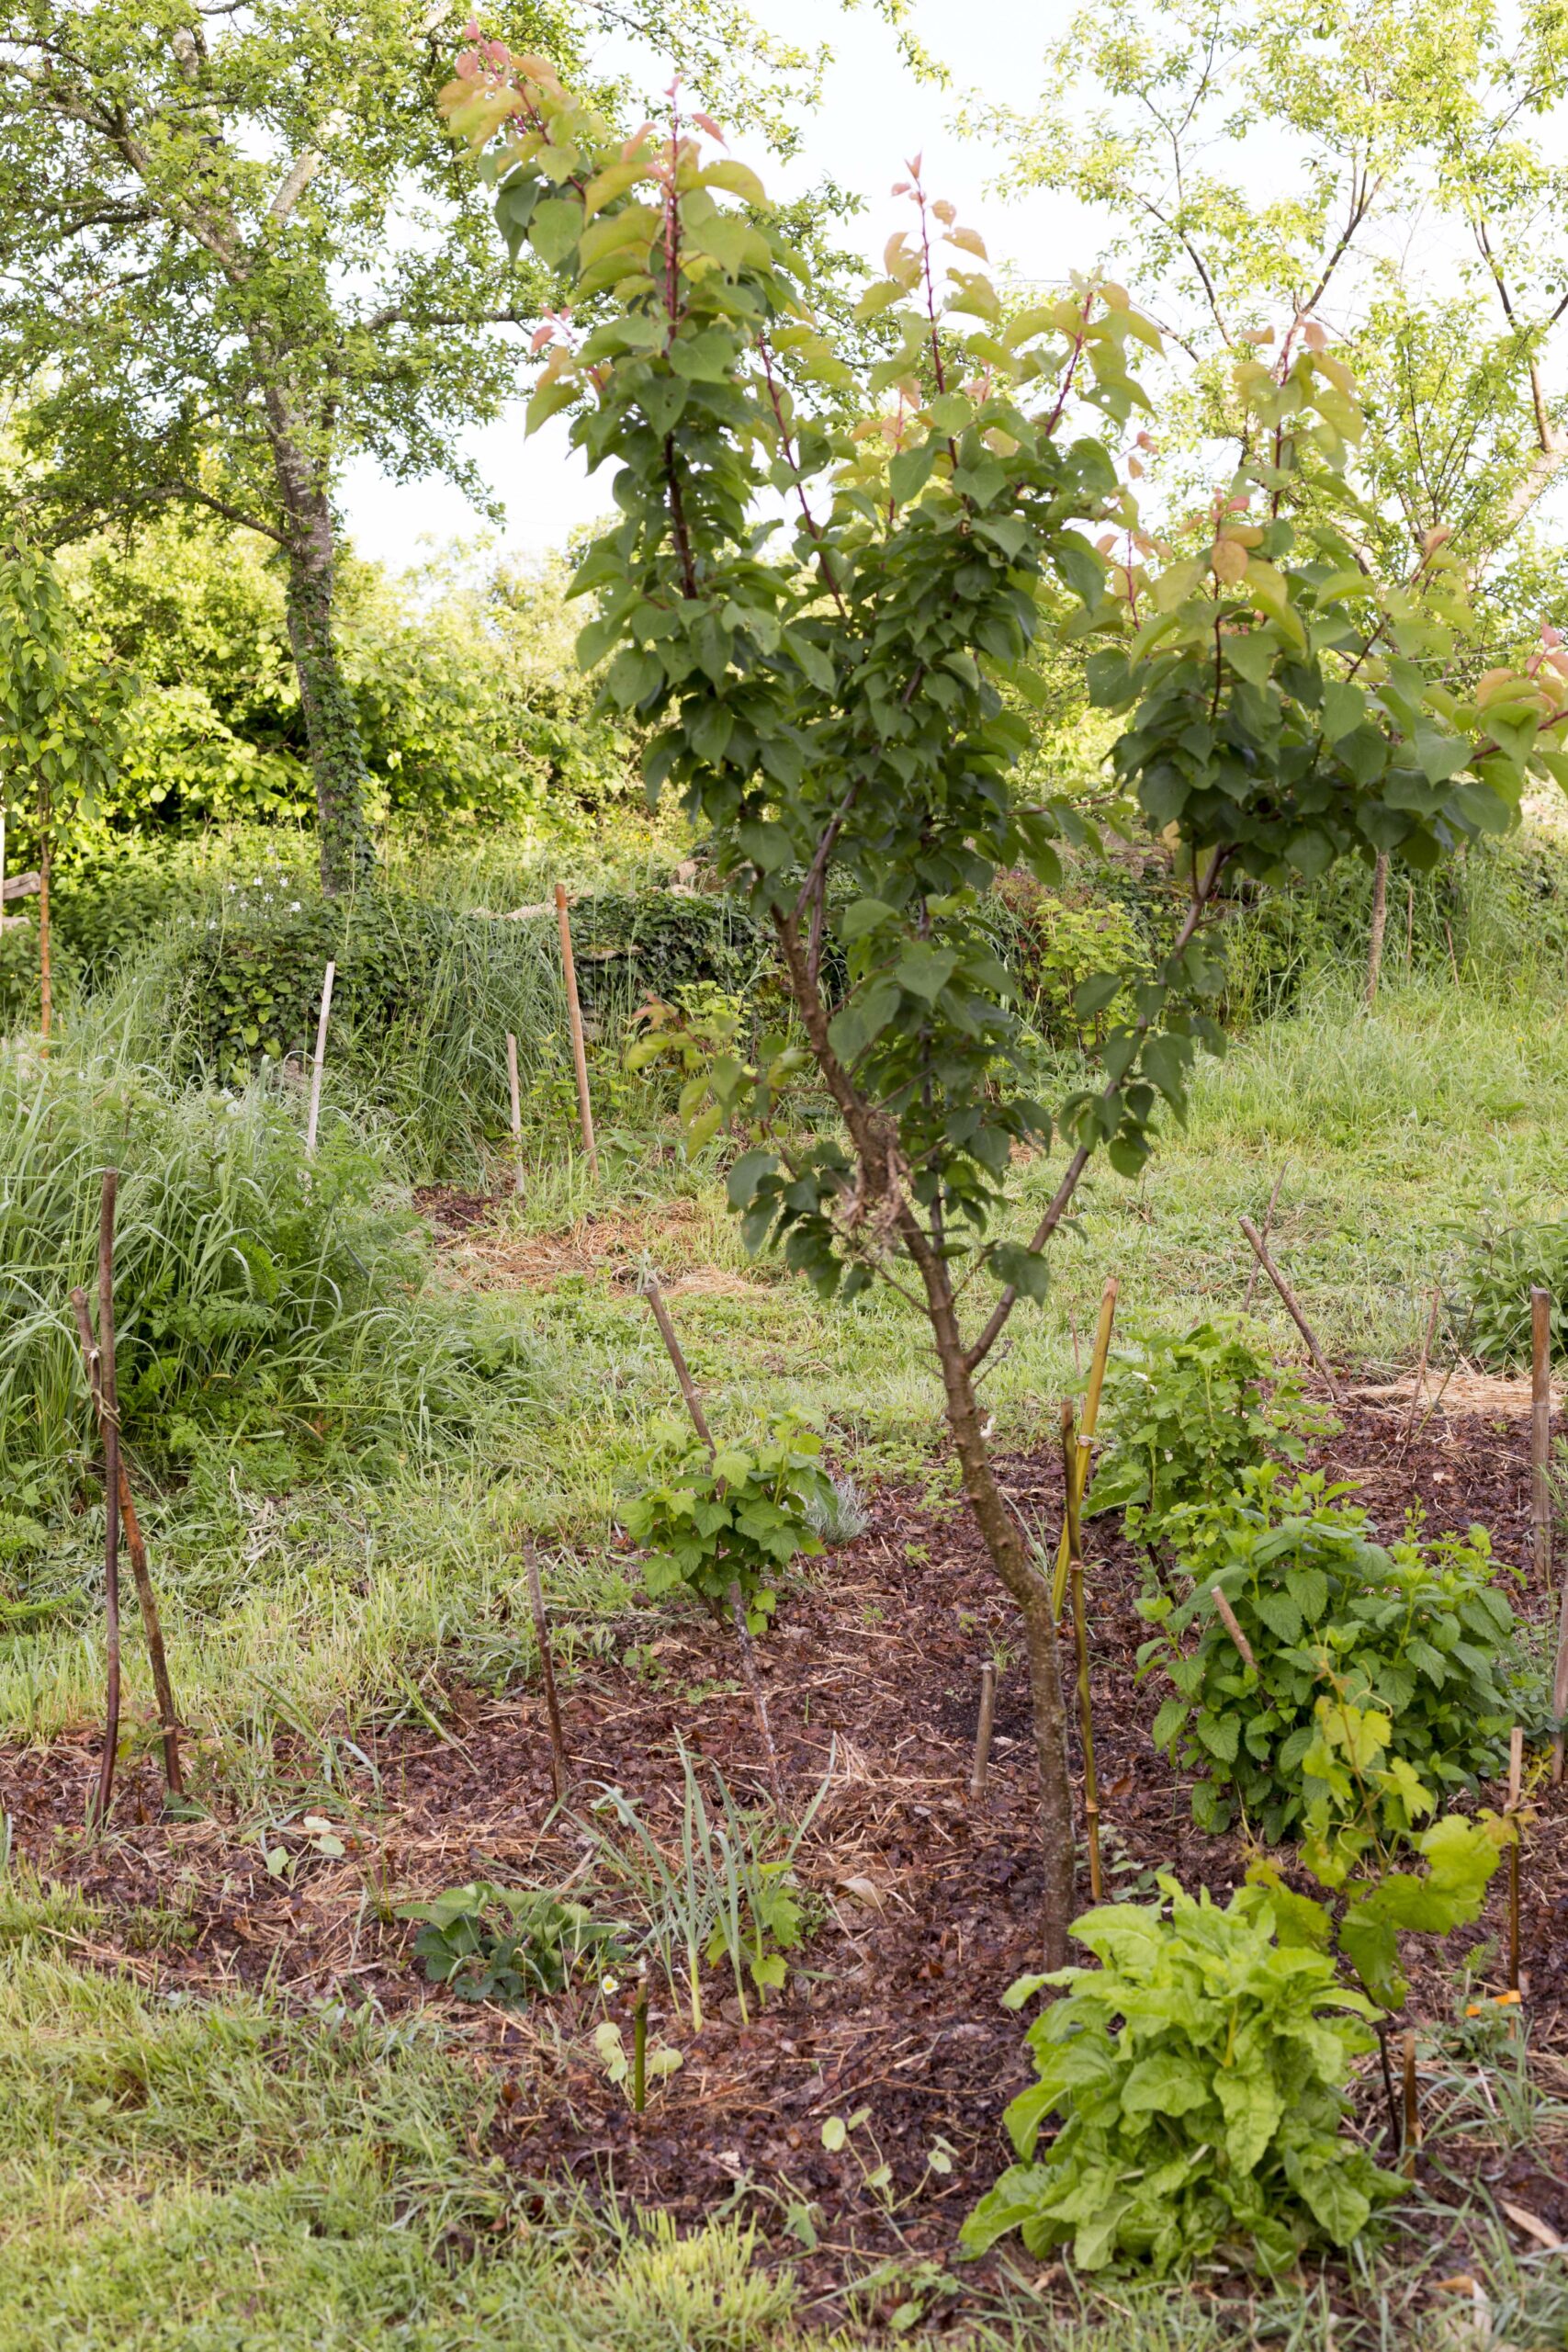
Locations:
column 815, row 600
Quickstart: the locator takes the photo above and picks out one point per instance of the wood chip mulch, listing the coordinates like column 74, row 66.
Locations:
column 926, row 1907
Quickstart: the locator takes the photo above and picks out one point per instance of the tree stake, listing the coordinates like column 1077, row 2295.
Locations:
column 1541, row 1430
column 1260, row 1251
column 1071, row 1457
column 574, row 1015
column 983, row 1730
column 321, row 1055
column 516, row 1094
column 1079, row 1475
column 111, row 1394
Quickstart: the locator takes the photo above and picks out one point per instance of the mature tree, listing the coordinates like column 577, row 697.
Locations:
column 1391, row 169
column 235, row 250
column 829, row 706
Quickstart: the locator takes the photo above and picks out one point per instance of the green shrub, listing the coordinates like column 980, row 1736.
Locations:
column 1416, row 1628
column 736, row 1516
column 1187, row 1415
column 1054, row 944
column 1361, row 1821
column 1200, row 2074
column 1490, row 1314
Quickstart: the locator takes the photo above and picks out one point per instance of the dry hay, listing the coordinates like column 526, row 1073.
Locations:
column 1465, row 1390
column 483, row 1255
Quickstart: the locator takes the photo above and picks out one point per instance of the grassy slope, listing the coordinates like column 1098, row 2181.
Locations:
column 207, row 2180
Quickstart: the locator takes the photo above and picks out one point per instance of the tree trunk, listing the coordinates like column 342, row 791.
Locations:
column 45, row 972
column 337, row 763
column 1031, row 1591
column 1380, row 924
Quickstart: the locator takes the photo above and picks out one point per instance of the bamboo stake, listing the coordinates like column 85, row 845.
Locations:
column 1516, row 1785
column 1232, row 1624
column 574, row 1015
column 516, row 1094
column 1267, row 1229
column 168, row 1723
column 1412, row 2105
column 110, row 1394
column 559, row 1772
column 983, row 1730
column 1086, row 1432
column 1260, row 1251
column 316, row 1065
column 1080, row 1635
column 649, row 1284
column 1541, row 1430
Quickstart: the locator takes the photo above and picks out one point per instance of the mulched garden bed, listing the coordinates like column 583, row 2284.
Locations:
column 927, row 1905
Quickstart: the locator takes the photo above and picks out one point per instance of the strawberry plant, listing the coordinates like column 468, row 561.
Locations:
column 1187, row 1415
column 735, row 1516
column 506, row 1943
column 1200, row 2076
column 1362, row 1818
column 1415, row 1628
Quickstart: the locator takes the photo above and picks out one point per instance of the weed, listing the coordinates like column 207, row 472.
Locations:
column 507, row 1944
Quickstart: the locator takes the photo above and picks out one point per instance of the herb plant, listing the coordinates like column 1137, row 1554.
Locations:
column 735, row 1516
column 1362, row 1817
column 506, row 1943
column 1416, row 1628
column 1187, row 1415
column 1199, row 2073
column 834, row 693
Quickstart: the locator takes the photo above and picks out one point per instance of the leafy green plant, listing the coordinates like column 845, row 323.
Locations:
column 737, row 1516
column 1361, row 1818
column 732, row 1896
column 507, row 1943
column 1200, row 2073
column 1491, row 1312
column 1416, row 1628
column 1188, row 1414
column 660, row 2060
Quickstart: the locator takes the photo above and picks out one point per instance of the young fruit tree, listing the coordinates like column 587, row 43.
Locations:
column 821, row 596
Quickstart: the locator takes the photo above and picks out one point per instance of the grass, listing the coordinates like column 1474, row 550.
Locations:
column 173, row 2175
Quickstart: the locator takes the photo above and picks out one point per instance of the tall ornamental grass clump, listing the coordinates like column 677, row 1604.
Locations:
column 255, row 1292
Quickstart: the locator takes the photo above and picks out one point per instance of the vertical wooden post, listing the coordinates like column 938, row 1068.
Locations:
column 1559, row 1681
column 315, row 1111
column 1080, row 1635
column 574, row 1015
column 151, row 1621
column 983, row 1730
column 111, row 1391
column 1516, row 1789
column 516, row 1094
column 1412, row 2105
column 1541, row 1430
column 1086, row 1429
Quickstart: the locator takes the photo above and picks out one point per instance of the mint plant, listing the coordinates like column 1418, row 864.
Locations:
column 1188, row 1414
column 1200, row 2074
column 740, row 1515
column 826, row 694
column 1363, row 1817
column 1416, row 1628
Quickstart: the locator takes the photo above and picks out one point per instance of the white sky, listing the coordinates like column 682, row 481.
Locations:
column 873, row 114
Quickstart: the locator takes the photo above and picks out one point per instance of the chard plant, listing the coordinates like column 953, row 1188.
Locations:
column 818, row 603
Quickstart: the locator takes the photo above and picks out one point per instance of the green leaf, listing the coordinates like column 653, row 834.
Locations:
column 555, row 227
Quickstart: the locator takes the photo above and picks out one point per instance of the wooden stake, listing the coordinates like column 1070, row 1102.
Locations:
column 1080, row 1635
column 1232, row 1624
column 516, row 1094
column 1516, row 1786
column 1412, row 2105
column 640, row 2048
column 649, row 1284
column 1560, row 1680
column 983, row 1730
column 1541, row 1430
column 151, row 1621
column 1267, row 1229
column 1409, row 925
column 1086, row 1431
column 110, row 1394
column 1260, row 1251
column 574, row 1015
column 45, row 953
column 316, row 1065
column 559, row 1770
column 1421, row 1370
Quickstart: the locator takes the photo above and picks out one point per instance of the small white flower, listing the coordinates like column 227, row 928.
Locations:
column 294, row 907
column 608, row 1984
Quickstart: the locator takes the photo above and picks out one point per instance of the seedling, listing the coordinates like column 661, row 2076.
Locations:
column 840, row 2131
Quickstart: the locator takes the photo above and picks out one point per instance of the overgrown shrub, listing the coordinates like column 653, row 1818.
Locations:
column 1416, row 1628
column 738, row 1516
column 1200, row 2074
column 1054, row 943
column 1490, row 1315
column 1187, row 1415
